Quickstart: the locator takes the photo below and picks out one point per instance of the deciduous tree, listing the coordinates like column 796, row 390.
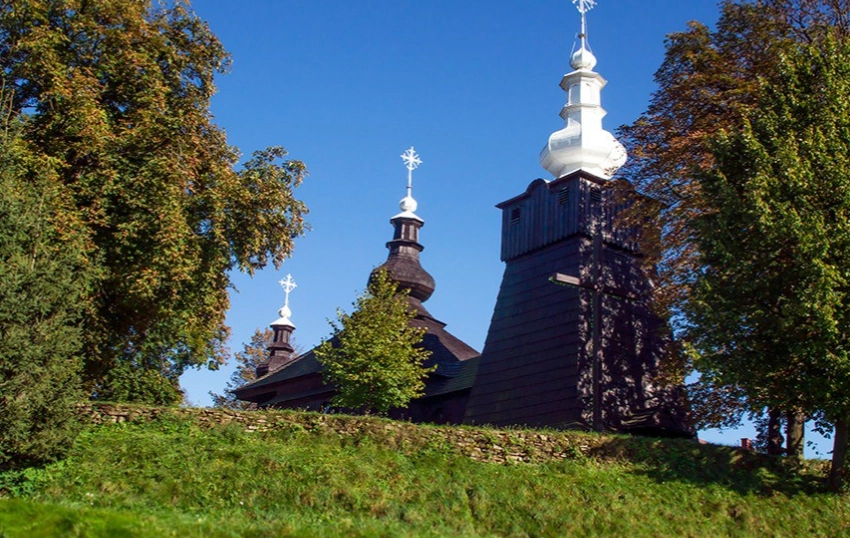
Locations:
column 117, row 94
column 769, row 310
column 374, row 358
column 710, row 82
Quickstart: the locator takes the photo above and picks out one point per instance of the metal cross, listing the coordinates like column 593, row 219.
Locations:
column 288, row 285
column 583, row 7
column 412, row 160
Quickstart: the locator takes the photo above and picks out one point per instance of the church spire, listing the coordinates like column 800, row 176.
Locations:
column 583, row 7
column 280, row 350
column 403, row 260
column 583, row 144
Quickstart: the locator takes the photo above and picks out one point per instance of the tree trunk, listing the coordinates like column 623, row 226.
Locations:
column 794, row 434
column 774, row 432
column 839, row 451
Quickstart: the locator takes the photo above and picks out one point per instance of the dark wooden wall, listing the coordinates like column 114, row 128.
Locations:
column 535, row 368
column 530, row 372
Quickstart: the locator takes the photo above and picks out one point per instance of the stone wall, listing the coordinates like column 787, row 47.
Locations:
column 480, row 444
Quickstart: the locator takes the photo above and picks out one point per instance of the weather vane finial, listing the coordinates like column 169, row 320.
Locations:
column 412, row 161
column 583, row 7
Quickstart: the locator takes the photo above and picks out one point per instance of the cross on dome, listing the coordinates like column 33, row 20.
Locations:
column 411, row 161
column 584, row 6
column 288, row 284
column 583, row 58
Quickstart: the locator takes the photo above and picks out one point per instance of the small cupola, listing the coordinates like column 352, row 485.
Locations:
column 280, row 350
column 583, row 144
column 403, row 260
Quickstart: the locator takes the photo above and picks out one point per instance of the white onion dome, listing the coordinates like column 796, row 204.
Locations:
column 408, row 204
column 408, row 207
column 583, row 144
column 583, row 59
column 283, row 321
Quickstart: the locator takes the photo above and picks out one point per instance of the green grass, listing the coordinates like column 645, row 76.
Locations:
column 173, row 477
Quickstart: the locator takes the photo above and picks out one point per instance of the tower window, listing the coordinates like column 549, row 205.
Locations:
column 564, row 196
column 515, row 214
column 595, row 195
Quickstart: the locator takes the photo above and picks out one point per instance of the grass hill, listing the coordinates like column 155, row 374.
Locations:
column 303, row 474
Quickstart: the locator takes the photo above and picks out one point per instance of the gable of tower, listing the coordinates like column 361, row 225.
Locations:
column 550, row 211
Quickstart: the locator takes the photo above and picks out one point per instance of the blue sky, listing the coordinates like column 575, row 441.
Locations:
column 346, row 87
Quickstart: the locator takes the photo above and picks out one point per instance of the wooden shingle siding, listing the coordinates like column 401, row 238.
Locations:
column 529, row 365
column 536, row 365
column 549, row 212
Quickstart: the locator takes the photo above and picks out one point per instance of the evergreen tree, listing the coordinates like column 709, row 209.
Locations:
column 42, row 285
column 374, row 359
column 252, row 355
column 118, row 95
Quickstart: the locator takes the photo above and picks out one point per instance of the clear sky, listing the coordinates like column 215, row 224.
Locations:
column 346, row 87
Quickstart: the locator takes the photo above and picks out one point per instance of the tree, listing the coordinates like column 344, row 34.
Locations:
column 42, row 280
column 709, row 83
column 117, row 93
column 770, row 309
column 374, row 358
column 252, row 355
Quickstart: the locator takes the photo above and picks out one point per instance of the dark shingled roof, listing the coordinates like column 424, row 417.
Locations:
column 303, row 365
column 448, row 352
column 409, row 275
column 463, row 378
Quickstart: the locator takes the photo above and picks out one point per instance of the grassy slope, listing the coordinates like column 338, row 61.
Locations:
column 174, row 478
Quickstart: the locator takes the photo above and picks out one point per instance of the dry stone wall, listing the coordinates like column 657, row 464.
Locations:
column 481, row 444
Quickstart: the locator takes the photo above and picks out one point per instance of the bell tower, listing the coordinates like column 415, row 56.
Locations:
column 280, row 350
column 573, row 341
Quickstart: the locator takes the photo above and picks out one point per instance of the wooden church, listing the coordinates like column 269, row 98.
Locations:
column 573, row 341
column 297, row 383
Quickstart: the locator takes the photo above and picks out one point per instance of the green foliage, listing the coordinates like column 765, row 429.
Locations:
column 374, row 359
column 711, row 81
column 252, row 355
column 770, row 310
column 20, row 518
column 142, row 384
column 27, row 481
column 771, row 307
column 42, row 281
column 179, row 478
column 117, row 94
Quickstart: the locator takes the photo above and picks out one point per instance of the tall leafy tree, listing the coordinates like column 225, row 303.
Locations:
column 769, row 310
column 42, row 283
column 710, row 81
column 252, row 355
column 374, row 358
column 118, row 93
